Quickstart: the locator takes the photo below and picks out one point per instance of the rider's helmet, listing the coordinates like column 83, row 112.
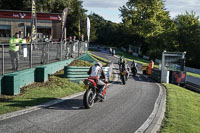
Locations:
column 122, row 59
column 98, row 63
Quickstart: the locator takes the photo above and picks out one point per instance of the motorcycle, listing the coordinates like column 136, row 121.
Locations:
column 123, row 73
column 123, row 77
column 92, row 92
column 134, row 71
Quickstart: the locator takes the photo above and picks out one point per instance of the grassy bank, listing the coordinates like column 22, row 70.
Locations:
column 38, row 93
column 182, row 111
column 56, row 87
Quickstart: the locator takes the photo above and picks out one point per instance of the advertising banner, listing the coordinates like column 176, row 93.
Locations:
column 34, row 22
column 63, row 22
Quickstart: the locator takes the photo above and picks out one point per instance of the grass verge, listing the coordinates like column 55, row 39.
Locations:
column 129, row 57
column 81, row 63
column 103, row 61
column 92, row 49
column 182, row 111
column 37, row 93
column 193, row 74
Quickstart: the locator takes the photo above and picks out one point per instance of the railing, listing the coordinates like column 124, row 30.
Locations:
column 32, row 55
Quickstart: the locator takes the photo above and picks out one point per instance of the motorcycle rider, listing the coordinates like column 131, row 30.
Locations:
column 96, row 72
column 134, row 66
column 121, row 62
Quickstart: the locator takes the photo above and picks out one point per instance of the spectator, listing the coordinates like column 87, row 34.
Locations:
column 70, row 47
column 14, row 50
column 82, row 38
column 28, row 38
column 44, row 57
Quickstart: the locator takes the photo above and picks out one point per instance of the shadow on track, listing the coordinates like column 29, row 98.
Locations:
column 70, row 104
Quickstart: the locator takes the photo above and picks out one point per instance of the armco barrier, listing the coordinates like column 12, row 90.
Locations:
column 14, row 81
column 78, row 74
column 42, row 72
column 75, row 73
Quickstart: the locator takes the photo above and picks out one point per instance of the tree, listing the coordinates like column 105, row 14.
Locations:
column 189, row 37
column 150, row 21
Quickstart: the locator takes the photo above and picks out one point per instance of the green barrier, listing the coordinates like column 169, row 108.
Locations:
column 14, row 81
column 42, row 72
column 78, row 74
column 156, row 75
column 75, row 73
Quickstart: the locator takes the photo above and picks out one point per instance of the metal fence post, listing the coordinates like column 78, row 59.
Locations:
column 78, row 48
column 31, row 55
column 2, row 59
column 84, row 47
column 61, row 50
column 48, row 52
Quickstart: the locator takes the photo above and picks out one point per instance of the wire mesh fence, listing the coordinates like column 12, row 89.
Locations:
column 32, row 55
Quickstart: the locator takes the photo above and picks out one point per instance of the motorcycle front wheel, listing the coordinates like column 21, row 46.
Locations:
column 87, row 99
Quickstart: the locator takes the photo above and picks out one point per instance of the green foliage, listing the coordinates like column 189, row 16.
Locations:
column 193, row 74
column 189, row 37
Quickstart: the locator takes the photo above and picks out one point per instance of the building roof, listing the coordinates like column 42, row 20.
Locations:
column 27, row 15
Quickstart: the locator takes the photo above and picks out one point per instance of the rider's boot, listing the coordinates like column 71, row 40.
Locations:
column 101, row 91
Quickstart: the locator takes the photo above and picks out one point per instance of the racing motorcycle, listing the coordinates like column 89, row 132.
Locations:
column 123, row 74
column 92, row 92
column 134, row 69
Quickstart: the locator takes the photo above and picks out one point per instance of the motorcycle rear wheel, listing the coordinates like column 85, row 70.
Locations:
column 123, row 79
column 87, row 99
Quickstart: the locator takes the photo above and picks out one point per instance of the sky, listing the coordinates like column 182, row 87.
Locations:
column 109, row 9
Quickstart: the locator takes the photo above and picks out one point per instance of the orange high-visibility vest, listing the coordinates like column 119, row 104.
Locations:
column 151, row 64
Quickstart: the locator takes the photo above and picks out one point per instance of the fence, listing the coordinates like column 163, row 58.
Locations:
column 32, row 55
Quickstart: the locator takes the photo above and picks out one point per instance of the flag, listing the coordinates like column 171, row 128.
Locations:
column 88, row 28
column 34, row 22
column 63, row 22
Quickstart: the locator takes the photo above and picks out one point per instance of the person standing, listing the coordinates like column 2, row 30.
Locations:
column 71, row 46
column 14, row 50
column 151, row 65
column 44, row 57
